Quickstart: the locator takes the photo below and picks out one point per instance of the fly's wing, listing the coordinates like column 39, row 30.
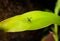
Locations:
column 32, row 20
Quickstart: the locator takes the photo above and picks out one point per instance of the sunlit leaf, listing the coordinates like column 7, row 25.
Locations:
column 32, row 20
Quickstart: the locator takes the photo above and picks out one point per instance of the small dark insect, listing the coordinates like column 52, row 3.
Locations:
column 29, row 19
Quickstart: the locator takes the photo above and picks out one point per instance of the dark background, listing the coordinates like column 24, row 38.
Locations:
column 9, row 8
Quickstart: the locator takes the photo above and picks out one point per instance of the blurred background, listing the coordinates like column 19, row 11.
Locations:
column 10, row 8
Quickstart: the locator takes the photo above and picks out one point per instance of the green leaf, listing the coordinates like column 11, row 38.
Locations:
column 32, row 20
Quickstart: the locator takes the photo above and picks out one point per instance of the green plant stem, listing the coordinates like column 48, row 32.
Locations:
column 57, row 8
column 56, row 32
